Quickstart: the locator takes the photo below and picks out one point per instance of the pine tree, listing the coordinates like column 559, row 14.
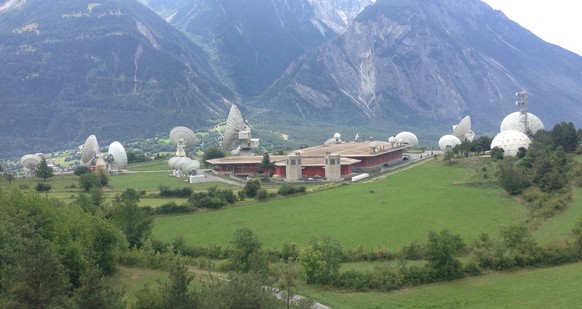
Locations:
column 43, row 170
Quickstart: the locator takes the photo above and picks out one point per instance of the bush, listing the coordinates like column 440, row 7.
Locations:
column 287, row 189
column 252, row 187
column 177, row 192
column 173, row 208
column 262, row 194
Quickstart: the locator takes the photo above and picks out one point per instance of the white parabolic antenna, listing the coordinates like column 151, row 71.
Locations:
column 406, row 138
column 515, row 121
column 510, row 141
column 182, row 137
column 117, row 156
column 448, row 142
column 234, row 124
column 89, row 150
column 30, row 161
column 463, row 130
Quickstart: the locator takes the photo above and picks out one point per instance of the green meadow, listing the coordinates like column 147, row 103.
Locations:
column 552, row 287
column 388, row 213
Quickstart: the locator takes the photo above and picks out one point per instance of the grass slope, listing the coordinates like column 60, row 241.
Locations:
column 554, row 287
column 388, row 213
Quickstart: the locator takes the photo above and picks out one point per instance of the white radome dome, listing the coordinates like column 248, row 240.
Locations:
column 406, row 138
column 510, row 141
column 448, row 142
column 514, row 121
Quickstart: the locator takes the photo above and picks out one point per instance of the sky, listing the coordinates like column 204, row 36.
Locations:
column 555, row 21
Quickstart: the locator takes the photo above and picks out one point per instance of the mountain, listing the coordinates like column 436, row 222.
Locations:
column 251, row 42
column 111, row 68
column 427, row 64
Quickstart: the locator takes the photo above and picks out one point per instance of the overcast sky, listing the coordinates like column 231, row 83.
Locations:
column 556, row 21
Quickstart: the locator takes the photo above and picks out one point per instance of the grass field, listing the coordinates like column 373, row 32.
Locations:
column 553, row 287
column 560, row 226
column 387, row 213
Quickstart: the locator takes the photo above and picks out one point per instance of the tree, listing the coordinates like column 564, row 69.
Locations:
column 43, row 170
column 246, row 251
column 510, row 178
column 239, row 291
column 43, row 187
column 288, row 276
column 497, row 153
column 252, row 187
column 80, row 170
column 266, row 164
column 94, row 293
column 565, row 135
column 9, row 176
column 440, row 251
column 321, row 259
column 88, row 181
column 134, row 222
column 212, row 153
column 577, row 233
column 40, row 279
column 174, row 293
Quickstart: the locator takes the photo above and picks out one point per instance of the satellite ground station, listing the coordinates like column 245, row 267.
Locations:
column 237, row 130
column 517, row 128
column 114, row 161
column 181, row 164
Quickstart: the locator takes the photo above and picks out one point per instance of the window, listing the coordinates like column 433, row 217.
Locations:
column 332, row 161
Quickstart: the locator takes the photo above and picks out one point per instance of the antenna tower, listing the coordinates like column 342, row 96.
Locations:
column 522, row 103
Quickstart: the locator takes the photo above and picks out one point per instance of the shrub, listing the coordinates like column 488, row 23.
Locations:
column 262, row 194
column 287, row 189
column 252, row 187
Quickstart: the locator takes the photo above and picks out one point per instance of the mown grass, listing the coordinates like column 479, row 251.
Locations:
column 553, row 287
column 387, row 213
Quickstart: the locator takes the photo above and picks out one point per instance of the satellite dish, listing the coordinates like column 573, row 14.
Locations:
column 337, row 137
column 406, row 138
column 448, row 142
column 235, row 151
column 357, row 137
column 182, row 137
column 392, row 139
column 30, row 161
column 463, row 130
column 373, row 145
column 117, row 157
column 89, row 150
column 234, row 124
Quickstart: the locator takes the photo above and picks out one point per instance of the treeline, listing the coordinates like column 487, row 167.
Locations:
column 544, row 173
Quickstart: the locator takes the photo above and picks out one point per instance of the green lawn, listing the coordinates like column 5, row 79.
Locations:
column 387, row 213
column 553, row 287
column 560, row 226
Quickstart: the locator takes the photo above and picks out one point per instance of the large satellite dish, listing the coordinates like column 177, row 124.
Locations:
column 448, row 142
column 234, row 124
column 30, row 161
column 117, row 157
column 182, row 137
column 406, row 138
column 89, row 150
column 237, row 130
column 463, row 130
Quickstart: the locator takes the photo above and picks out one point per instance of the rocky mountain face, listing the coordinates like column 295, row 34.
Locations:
column 251, row 42
column 117, row 69
column 111, row 68
column 427, row 64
